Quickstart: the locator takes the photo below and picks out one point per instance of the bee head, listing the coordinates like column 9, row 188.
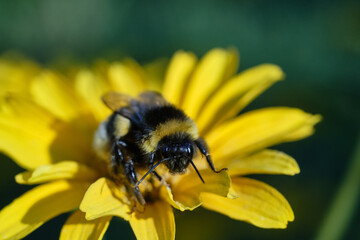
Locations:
column 179, row 149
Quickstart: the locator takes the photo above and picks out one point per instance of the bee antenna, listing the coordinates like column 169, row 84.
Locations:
column 197, row 171
column 150, row 170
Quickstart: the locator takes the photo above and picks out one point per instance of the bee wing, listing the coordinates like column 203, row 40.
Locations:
column 153, row 98
column 115, row 101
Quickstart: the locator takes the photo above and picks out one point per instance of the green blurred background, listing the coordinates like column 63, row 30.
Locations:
column 317, row 43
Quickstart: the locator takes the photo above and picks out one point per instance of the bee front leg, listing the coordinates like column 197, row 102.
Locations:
column 202, row 146
column 131, row 176
column 127, row 164
column 151, row 164
column 118, row 157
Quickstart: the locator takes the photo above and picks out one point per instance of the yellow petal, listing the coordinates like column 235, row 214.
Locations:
column 14, row 105
column 178, row 73
column 125, row 78
column 139, row 71
column 257, row 203
column 51, row 92
column 77, row 227
column 62, row 170
column 207, row 77
column 237, row 93
column 91, row 88
column 15, row 74
column 154, row 73
column 186, row 193
column 256, row 130
column 35, row 207
column 266, row 161
column 77, row 134
column 33, row 137
column 155, row 223
column 304, row 131
column 25, row 133
column 232, row 63
column 104, row 198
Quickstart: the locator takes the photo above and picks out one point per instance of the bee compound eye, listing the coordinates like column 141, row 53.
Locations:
column 165, row 151
column 190, row 149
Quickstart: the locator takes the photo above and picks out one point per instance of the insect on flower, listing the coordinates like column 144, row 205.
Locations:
column 48, row 126
column 144, row 132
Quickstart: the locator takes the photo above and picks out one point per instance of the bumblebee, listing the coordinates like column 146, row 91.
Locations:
column 143, row 133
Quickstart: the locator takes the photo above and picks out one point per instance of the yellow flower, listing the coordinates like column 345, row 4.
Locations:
column 47, row 126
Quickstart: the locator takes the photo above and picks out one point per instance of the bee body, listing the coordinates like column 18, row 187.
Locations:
column 144, row 132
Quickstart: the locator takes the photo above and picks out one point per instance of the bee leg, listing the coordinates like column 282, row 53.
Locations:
column 128, row 167
column 116, row 158
column 157, row 175
column 131, row 176
column 202, row 146
column 151, row 164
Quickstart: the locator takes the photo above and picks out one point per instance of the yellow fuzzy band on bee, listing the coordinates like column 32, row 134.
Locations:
column 170, row 127
column 121, row 126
